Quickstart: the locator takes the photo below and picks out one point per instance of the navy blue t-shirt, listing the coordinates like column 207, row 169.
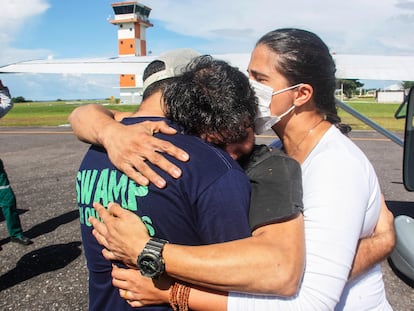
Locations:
column 208, row 204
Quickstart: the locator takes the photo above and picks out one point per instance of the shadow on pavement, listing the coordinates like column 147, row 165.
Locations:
column 48, row 226
column 51, row 224
column 40, row 261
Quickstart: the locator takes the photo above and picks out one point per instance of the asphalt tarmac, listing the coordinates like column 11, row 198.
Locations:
column 51, row 273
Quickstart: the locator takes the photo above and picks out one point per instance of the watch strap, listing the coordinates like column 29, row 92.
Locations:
column 156, row 245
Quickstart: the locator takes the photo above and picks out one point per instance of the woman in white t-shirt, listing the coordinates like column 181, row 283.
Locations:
column 341, row 193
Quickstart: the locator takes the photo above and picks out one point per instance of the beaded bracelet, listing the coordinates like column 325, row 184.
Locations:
column 179, row 296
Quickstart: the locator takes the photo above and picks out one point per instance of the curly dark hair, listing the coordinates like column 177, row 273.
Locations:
column 212, row 97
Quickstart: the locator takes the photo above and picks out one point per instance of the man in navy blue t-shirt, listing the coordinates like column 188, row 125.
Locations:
column 209, row 203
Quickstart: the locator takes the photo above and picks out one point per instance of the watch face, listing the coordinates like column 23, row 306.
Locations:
column 150, row 265
column 150, row 261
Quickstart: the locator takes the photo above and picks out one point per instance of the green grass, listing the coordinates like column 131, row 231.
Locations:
column 383, row 114
column 56, row 113
column 50, row 113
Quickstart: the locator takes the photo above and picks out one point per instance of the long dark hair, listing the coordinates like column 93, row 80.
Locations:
column 304, row 58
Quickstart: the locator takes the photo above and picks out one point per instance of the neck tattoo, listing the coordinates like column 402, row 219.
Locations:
column 308, row 134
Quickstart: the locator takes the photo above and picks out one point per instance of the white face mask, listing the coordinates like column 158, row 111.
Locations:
column 264, row 119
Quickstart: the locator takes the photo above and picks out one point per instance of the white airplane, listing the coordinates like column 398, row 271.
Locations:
column 365, row 67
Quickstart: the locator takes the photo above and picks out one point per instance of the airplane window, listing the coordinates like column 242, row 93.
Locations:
column 401, row 112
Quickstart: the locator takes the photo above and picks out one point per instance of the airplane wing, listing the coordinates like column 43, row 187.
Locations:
column 362, row 67
column 366, row 67
column 374, row 67
column 110, row 65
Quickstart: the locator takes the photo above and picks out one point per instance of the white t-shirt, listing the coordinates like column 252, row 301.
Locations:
column 342, row 201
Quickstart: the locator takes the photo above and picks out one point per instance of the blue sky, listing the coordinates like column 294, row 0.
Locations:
column 39, row 29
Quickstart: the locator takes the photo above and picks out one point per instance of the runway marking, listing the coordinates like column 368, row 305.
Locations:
column 367, row 138
column 71, row 133
column 33, row 132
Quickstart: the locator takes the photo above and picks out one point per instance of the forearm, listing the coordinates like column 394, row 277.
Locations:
column 269, row 262
column 204, row 300
column 377, row 247
column 371, row 251
column 143, row 291
column 90, row 121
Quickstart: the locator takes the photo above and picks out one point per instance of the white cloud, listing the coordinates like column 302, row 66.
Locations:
column 352, row 26
column 17, row 16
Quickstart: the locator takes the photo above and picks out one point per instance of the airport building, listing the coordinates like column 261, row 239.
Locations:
column 132, row 20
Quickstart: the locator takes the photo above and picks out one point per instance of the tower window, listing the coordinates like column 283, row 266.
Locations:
column 124, row 9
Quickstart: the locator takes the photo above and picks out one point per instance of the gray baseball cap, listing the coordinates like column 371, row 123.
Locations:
column 175, row 61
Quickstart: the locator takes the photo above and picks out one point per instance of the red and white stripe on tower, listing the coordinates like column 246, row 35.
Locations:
column 131, row 19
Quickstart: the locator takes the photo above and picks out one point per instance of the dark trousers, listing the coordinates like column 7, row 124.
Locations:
column 8, row 205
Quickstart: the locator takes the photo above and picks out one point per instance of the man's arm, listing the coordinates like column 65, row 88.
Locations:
column 89, row 123
column 261, row 264
column 376, row 248
column 128, row 146
column 258, row 264
column 6, row 102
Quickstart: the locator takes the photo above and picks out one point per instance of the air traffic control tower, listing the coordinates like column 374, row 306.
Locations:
column 131, row 19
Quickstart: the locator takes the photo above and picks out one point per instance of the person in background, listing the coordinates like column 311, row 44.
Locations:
column 7, row 196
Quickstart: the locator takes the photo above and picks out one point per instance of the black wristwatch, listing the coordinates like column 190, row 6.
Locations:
column 150, row 261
